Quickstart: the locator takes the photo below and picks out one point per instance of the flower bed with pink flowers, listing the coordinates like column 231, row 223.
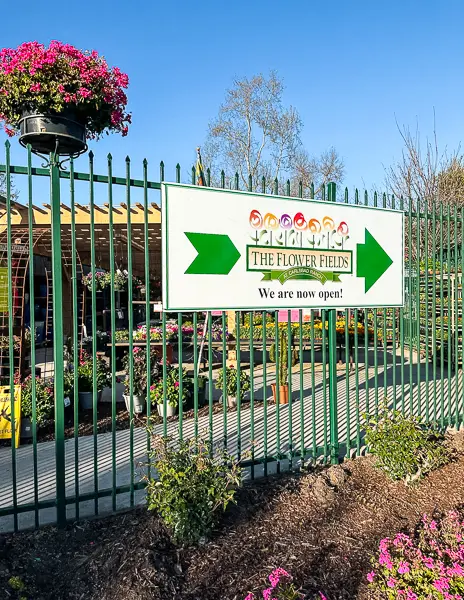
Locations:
column 427, row 565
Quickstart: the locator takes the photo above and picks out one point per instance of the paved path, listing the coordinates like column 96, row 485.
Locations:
column 304, row 420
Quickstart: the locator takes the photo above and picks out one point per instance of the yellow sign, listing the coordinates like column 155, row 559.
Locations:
column 5, row 412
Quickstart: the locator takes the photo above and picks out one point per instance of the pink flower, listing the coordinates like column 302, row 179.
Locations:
column 250, row 597
column 276, row 575
column 35, row 87
column 391, row 582
column 322, row 596
column 433, row 525
column 403, row 568
column 441, row 584
column 267, row 593
column 370, row 576
column 84, row 92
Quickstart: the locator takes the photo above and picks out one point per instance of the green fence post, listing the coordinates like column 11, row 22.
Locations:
column 58, row 358
column 333, row 407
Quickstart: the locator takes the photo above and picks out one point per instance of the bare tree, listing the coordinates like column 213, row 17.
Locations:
column 425, row 172
column 14, row 193
column 427, row 180
column 317, row 171
column 257, row 137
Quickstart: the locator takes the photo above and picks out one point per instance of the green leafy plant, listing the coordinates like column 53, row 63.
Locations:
column 85, row 373
column 283, row 357
column 44, row 403
column 228, row 382
column 404, row 447
column 139, row 364
column 195, row 483
column 172, row 388
column 429, row 564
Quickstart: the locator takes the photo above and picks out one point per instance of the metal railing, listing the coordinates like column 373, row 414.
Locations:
column 107, row 229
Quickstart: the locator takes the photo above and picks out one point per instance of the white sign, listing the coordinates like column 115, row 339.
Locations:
column 225, row 250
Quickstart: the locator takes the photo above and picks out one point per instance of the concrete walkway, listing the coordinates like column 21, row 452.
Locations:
column 304, row 421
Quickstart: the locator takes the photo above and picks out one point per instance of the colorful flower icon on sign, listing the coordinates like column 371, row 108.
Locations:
column 271, row 221
column 286, row 222
column 256, row 220
column 328, row 223
column 299, row 221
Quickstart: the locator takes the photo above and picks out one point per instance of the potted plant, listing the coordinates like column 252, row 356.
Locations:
column 227, row 381
column 138, row 362
column 85, row 379
column 172, row 391
column 57, row 96
column 283, row 367
column 44, row 404
column 138, row 399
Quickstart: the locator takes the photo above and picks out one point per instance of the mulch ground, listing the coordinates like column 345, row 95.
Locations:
column 321, row 526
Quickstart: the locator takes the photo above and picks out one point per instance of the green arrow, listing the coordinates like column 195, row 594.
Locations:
column 371, row 261
column 216, row 254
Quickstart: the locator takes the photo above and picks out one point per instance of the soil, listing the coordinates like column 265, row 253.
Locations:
column 321, row 526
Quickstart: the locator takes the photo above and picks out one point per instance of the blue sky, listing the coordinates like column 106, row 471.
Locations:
column 350, row 68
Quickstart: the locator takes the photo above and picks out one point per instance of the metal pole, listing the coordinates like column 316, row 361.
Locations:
column 58, row 357
column 333, row 407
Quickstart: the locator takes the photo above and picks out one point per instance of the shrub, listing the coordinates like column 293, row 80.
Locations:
column 428, row 566
column 44, row 401
column 228, row 383
column 405, row 448
column 196, row 482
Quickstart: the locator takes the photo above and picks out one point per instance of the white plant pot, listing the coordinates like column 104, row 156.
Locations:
column 170, row 410
column 138, row 403
column 231, row 401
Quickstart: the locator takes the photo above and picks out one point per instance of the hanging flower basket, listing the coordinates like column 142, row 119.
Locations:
column 103, row 280
column 57, row 97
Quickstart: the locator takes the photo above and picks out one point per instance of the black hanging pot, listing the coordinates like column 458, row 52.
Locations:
column 53, row 132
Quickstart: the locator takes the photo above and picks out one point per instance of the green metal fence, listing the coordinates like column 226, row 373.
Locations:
column 83, row 275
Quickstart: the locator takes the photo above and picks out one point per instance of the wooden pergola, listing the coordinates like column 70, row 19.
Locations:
column 143, row 224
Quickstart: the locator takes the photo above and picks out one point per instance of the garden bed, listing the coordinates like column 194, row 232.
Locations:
column 321, row 527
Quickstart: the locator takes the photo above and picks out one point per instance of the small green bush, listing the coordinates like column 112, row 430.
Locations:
column 227, row 381
column 405, row 448
column 16, row 584
column 195, row 483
